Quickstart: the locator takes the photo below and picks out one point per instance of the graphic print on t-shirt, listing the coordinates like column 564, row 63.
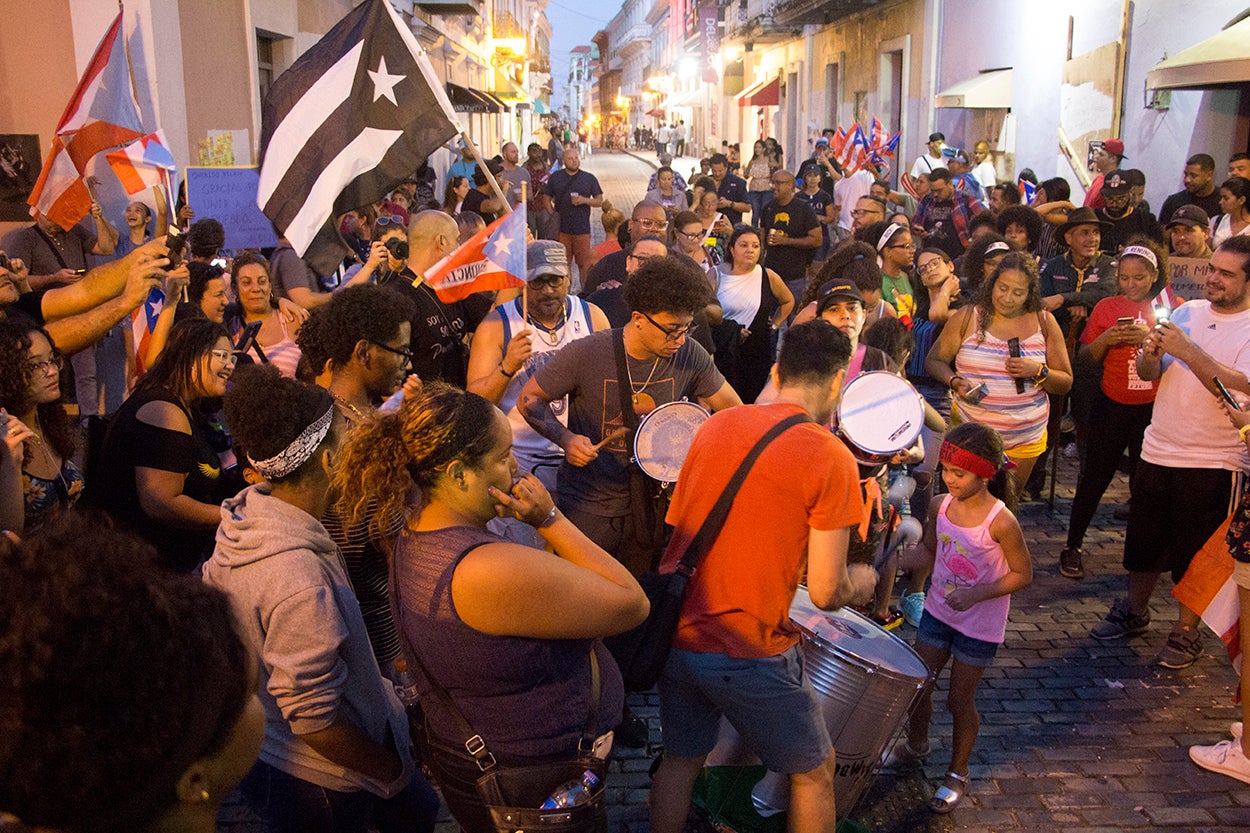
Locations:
column 662, row 391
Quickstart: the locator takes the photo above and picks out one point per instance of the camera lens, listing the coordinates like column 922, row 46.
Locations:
column 398, row 248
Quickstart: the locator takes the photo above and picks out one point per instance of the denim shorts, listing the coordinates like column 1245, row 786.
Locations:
column 935, row 633
column 769, row 701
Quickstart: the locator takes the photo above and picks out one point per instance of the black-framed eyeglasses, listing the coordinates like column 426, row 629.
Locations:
column 692, row 235
column 929, row 265
column 671, row 334
column 398, row 351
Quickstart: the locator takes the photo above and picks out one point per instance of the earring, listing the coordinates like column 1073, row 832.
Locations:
column 203, row 795
column 460, row 480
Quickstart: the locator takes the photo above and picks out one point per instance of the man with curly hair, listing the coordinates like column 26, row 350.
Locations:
column 662, row 365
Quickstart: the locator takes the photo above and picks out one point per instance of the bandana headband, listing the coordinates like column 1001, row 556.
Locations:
column 890, row 231
column 1142, row 252
column 964, row 459
column 298, row 452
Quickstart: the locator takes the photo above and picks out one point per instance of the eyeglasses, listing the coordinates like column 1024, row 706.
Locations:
column 225, row 357
column 391, row 220
column 691, row 235
column 860, row 212
column 407, row 354
column 655, row 225
column 54, row 364
column 671, row 334
column 929, row 265
column 902, row 246
column 642, row 258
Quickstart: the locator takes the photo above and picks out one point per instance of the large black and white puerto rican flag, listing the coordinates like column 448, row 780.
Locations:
column 354, row 116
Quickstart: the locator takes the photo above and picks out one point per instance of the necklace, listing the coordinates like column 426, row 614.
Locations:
column 554, row 334
column 355, row 411
column 644, row 403
column 48, row 456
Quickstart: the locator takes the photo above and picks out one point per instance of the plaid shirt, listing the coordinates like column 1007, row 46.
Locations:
column 964, row 209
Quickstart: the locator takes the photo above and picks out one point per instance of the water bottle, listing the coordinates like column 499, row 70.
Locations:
column 405, row 683
column 572, row 793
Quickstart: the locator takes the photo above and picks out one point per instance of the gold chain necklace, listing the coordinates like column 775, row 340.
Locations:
column 355, row 410
column 644, row 403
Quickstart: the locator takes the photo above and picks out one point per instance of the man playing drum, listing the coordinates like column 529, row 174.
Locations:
column 736, row 652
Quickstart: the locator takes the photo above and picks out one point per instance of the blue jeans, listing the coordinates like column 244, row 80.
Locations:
column 293, row 805
column 758, row 200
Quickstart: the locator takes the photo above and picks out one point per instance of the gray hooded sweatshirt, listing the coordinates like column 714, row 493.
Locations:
column 288, row 586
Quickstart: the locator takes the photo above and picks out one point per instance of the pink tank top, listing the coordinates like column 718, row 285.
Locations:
column 967, row 557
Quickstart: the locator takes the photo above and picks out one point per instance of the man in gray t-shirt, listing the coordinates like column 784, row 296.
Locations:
column 663, row 365
column 513, row 174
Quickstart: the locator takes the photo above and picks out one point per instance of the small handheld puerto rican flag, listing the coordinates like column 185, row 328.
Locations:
column 142, row 322
column 494, row 258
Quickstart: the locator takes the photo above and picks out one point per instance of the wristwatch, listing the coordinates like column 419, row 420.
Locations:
column 1042, row 373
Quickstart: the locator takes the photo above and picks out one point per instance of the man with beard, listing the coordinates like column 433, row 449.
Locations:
column 508, row 349
column 512, row 175
column 1107, row 158
column 1189, row 233
column 1123, row 220
column 1199, row 190
column 944, row 214
column 1080, row 277
column 575, row 192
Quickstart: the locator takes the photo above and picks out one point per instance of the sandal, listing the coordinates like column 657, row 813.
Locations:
column 891, row 620
column 946, row 798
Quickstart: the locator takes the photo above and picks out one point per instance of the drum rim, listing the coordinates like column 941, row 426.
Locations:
column 855, row 659
column 644, row 463
column 878, row 454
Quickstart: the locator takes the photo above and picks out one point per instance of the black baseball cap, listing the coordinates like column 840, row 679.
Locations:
column 838, row 290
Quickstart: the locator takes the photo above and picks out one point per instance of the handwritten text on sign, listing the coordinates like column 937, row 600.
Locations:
column 228, row 195
column 1189, row 276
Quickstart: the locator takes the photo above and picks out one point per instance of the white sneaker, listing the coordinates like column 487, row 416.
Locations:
column 1224, row 757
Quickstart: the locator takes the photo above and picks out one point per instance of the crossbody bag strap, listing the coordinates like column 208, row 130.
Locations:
column 638, row 481
column 474, row 744
column 715, row 520
column 56, row 252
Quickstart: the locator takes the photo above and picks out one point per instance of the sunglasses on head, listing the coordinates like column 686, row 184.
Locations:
column 386, row 221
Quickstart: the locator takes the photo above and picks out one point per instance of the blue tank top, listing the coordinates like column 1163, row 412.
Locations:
column 527, row 698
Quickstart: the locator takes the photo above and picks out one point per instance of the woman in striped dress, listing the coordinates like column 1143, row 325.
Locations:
column 1006, row 342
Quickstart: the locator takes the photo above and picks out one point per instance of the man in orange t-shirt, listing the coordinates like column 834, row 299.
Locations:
column 736, row 652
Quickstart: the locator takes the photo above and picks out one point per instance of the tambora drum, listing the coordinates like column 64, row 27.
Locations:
column 880, row 415
column 866, row 679
column 664, row 438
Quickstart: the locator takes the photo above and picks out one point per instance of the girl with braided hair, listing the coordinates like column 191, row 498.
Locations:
column 506, row 629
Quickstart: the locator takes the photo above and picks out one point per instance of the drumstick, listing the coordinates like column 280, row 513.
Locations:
column 614, row 434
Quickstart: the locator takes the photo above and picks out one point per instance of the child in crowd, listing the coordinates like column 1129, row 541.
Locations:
column 978, row 555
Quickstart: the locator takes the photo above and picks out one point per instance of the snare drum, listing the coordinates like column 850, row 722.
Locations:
column 880, row 415
column 866, row 679
column 664, row 438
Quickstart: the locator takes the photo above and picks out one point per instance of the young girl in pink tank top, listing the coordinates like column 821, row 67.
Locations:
column 976, row 550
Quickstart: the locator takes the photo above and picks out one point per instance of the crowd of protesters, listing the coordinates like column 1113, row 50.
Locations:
column 396, row 503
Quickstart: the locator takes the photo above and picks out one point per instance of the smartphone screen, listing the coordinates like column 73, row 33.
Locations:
column 1124, row 321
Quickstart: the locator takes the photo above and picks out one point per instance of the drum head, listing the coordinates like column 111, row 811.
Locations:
column 664, row 438
column 881, row 413
column 850, row 633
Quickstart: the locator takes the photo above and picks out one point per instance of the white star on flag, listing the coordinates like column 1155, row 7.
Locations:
column 384, row 84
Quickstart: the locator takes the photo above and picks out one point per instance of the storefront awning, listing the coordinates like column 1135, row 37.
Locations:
column 540, row 107
column 989, row 90
column 468, row 100
column 687, row 99
column 766, row 93
column 656, row 112
column 1219, row 61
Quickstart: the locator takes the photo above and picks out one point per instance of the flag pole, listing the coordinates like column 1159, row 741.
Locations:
column 525, row 285
column 494, row 186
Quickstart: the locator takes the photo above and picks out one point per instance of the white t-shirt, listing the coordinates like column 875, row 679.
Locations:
column 1188, row 429
column 986, row 175
column 1222, row 229
column 848, row 190
column 926, row 163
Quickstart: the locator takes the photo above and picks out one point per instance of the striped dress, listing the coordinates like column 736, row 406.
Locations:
column 1019, row 417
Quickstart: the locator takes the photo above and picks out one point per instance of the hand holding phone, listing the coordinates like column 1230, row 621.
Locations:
column 1224, row 394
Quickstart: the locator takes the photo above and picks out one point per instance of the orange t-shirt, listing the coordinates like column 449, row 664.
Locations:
column 739, row 601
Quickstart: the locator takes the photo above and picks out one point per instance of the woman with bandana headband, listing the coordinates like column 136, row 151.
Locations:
column 336, row 750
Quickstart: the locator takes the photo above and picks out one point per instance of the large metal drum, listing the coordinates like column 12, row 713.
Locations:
column 879, row 415
column 866, row 678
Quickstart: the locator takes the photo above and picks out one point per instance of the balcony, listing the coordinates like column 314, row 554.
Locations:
column 450, row 8
column 635, row 39
column 818, row 12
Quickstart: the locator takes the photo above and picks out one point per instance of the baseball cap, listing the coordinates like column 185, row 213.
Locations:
column 1190, row 215
column 1115, row 146
column 546, row 257
column 835, row 291
column 822, row 141
column 937, row 137
column 1115, row 184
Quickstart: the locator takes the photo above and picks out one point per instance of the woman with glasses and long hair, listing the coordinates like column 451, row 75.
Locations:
column 755, row 301
column 688, row 237
column 275, row 340
column 157, row 472
column 895, row 252
column 39, row 478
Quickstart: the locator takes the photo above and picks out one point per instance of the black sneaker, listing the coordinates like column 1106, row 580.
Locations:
column 1181, row 650
column 1120, row 622
column 1070, row 565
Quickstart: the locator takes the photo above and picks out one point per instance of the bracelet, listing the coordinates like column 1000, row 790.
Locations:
column 547, row 521
column 1244, row 431
column 950, row 383
column 506, row 373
